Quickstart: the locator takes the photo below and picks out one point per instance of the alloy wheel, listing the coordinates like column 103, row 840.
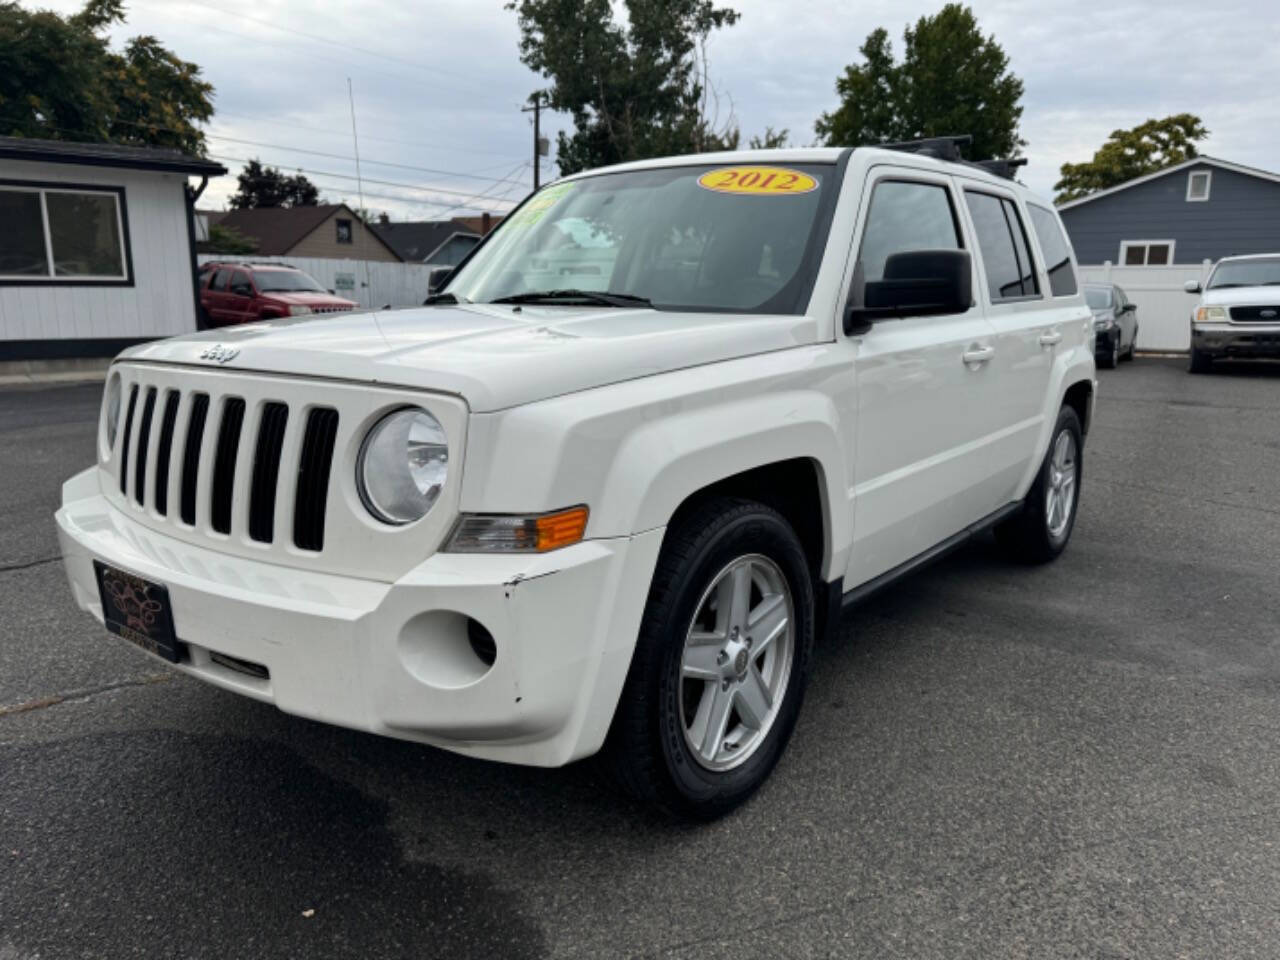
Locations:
column 1059, row 499
column 736, row 662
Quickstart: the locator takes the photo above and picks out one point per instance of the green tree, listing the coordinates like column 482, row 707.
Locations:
column 60, row 80
column 1127, row 154
column 771, row 139
column 634, row 91
column 260, row 186
column 229, row 240
column 952, row 80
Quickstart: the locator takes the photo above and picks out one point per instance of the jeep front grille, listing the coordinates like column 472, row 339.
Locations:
column 226, row 417
column 259, row 466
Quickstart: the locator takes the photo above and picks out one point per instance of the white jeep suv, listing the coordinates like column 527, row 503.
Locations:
column 1239, row 311
column 602, row 493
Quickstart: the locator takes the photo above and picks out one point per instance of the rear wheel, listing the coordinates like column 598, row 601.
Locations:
column 721, row 664
column 1039, row 531
column 1200, row 362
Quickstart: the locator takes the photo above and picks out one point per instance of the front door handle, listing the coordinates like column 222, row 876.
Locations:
column 1051, row 337
column 977, row 355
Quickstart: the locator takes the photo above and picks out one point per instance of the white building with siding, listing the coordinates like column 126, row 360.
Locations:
column 97, row 247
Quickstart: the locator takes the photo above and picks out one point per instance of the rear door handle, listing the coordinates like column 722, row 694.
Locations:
column 1051, row 337
column 978, row 354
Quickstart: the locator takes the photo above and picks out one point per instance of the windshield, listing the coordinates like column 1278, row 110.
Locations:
column 1098, row 298
column 1246, row 273
column 286, row 281
column 717, row 238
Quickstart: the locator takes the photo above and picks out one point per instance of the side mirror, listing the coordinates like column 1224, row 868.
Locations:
column 437, row 278
column 1130, row 308
column 916, row 283
column 1191, row 286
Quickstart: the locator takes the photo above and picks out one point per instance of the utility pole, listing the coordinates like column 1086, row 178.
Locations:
column 539, row 144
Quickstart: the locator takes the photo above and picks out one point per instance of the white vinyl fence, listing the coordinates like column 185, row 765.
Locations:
column 369, row 282
column 1164, row 307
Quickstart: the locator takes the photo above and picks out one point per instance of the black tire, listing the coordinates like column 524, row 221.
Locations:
column 647, row 749
column 206, row 321
column 1133, row 348
column 1027, row 535
column 1200, row 362
column 1110, row 356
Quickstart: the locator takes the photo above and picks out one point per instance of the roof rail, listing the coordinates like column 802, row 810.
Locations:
column 940, row 148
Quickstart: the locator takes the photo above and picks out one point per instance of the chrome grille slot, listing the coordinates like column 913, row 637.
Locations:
column 224, row 464
column 191, row 456
column 164, row 450
column 313, row 478
column 124, row 441
column 266, row 471
column 144, row 442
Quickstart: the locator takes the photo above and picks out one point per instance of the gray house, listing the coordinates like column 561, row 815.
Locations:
column 1203, row 209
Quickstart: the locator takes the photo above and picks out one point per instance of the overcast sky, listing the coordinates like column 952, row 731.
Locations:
column 438, row 85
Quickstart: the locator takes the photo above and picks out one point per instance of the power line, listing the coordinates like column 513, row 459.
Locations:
column 467, row 198
column 381, row 183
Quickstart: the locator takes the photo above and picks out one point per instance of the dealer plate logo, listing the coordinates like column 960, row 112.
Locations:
column 220, row 354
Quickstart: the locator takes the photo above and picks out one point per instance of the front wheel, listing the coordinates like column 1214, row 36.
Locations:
column 1110, row 355
column 1039, row 531
column 721, row 664
column 1200, row 362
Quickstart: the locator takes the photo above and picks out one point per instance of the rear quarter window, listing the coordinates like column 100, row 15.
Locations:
column 1056, row 250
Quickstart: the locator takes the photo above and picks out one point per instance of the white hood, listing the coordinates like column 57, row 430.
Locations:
column 1240, row 296
column 493, row 356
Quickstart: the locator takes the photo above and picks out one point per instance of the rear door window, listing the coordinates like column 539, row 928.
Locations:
column 220, row 280
column 1006, row 255
column 1056, row 250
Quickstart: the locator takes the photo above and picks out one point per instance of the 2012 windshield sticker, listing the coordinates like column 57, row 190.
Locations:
column 758, row 181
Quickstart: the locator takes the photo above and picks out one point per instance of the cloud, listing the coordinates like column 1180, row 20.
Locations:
column 438, row 87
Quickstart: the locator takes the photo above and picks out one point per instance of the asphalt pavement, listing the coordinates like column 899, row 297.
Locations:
column 1077, row 760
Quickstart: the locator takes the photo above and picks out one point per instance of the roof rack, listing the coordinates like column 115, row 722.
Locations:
column 948, row 148
column 940, row 148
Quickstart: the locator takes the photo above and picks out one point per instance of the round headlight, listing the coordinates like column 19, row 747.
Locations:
column 403, row 464
column 111, row 402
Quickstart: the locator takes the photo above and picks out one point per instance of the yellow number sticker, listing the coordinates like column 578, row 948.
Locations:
column 758, row 181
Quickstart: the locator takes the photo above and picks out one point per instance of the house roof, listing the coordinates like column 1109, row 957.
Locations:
column 279, row 229
column 415, row 241
column 1168, row 171
column 107, row 155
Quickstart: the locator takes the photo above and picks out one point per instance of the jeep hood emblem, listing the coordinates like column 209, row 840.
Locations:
column 220, row 354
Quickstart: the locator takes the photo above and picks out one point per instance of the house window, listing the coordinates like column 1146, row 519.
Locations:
column 344, row 230
column 1146, row 253
column 62, row 234
column 1198, row 185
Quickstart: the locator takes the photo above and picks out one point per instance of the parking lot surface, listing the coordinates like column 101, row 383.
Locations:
column 1078, row 760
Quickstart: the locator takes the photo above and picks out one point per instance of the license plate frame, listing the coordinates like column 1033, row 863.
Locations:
column 138, row 610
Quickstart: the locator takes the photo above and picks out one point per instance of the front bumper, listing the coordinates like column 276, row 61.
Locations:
column 1236, row 340
column 393, row 658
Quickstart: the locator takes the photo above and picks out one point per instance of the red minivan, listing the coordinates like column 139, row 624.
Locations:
column 233, row 292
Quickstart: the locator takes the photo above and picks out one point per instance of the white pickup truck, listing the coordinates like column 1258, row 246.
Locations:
column 601, row 493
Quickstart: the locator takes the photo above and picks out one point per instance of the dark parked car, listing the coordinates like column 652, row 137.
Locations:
column 1115, row 323
column 234, row 292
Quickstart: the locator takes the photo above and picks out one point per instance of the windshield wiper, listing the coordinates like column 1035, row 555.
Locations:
column 590, row 296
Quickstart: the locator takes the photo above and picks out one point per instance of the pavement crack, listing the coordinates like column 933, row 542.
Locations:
column 29, row 564
column 72, row 696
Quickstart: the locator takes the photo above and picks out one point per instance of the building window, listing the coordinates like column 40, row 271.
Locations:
column 1198, row 185
column 61, row 234
column 1146, row 253
column 344, row 230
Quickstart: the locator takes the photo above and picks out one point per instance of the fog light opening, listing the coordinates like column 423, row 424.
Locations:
column 482, row 642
